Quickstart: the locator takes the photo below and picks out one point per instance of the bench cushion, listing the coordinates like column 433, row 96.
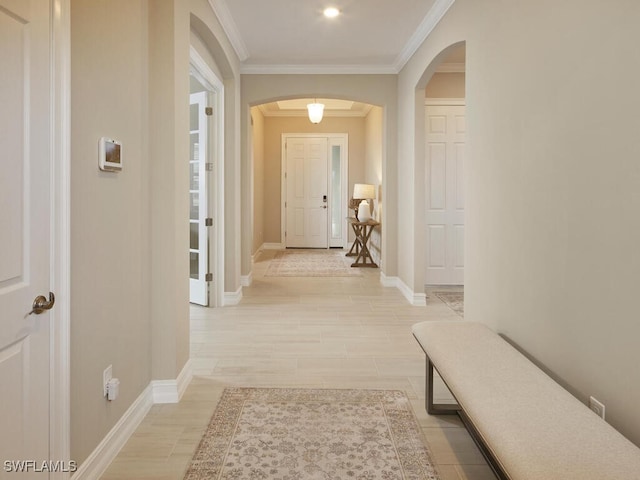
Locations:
column 534, row 427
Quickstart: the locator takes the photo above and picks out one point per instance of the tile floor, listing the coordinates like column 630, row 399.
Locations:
column 346, row 332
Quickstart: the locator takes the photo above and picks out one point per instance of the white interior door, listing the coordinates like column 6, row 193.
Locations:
column 25, row 154
column 198, row 210
column 444, row 194
column 306, row 193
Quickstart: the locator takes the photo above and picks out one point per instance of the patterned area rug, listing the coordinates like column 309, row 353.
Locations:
column 308, row 434
column 454, row 300
column 311, row 263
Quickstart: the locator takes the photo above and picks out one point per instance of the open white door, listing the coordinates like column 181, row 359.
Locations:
column 444, row 182
column 198, row 234
column 306, row 193
column 26, row 147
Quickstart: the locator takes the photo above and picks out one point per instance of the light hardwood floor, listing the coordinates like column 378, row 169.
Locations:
column 341, row 332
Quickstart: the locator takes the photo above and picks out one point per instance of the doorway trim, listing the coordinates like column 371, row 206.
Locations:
column 344, row 174
column 430, row 102
column 60, row 342
column 199, row 68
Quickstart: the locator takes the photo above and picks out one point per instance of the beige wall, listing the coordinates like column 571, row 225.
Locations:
column 129, row 238
column 274, row 128
column 552, row 224
column 110, row 261
column 168, row 130
column 374, row 147
column 446, row 85
column 258, row 127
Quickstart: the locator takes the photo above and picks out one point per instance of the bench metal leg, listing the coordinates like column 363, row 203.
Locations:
column 437, row 408
column 455, row 409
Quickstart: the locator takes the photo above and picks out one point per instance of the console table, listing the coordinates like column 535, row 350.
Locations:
column 360, row 248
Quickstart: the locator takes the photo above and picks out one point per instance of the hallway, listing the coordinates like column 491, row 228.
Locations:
column 341, row 332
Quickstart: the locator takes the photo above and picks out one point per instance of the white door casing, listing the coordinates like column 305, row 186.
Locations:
column 26, row 149
column 306, row 180
column 444, row 194
column 338, row 188
column 200, row 70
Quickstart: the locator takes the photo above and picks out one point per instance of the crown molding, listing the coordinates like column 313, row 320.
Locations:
column 230, row 28
column 303, row 113
column 433, row 17
column 430, row 21
column 317, row 69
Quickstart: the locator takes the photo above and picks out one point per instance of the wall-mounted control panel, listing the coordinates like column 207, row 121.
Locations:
column 109, row 155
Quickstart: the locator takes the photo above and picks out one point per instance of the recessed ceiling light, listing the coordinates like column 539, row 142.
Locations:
column 331, row 12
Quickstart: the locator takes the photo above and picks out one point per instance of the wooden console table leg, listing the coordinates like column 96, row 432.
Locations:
column 361, row 259
column 356, row 244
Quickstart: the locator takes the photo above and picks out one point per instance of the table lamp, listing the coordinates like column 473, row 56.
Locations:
column 364, row 192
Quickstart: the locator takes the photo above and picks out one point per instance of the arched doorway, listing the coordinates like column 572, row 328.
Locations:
column 440, row 162
column 352, row 132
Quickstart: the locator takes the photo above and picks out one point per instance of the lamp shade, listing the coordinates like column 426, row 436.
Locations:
column 364, row 190
column 315, row 112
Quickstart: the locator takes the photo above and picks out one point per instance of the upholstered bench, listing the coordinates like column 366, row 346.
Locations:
column 526, row 424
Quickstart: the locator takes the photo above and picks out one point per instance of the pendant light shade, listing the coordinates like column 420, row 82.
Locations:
column 315, row 112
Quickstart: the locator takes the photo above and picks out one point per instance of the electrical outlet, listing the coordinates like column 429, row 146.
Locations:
column 597, row 407
column 106, row 376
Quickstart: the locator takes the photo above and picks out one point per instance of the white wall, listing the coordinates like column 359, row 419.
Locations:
column 553, row 180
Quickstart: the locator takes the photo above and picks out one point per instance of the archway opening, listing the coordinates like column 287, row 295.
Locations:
column 353, row 131
column 441, row 155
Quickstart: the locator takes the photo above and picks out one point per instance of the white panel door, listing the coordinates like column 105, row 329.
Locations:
column 198, row 199
column 25, row 154
column 306, row 193
column 444, row 195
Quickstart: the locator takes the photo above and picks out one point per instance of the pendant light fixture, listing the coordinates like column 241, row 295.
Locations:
column 315, row 110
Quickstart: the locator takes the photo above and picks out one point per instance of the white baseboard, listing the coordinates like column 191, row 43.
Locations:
column 232, row 298
column 100, row 459
column 158, row 391
column 415, row 299
column 257, row 253
column 246, row 280
column 171, row 391
column 388, row 282
column 272, row 246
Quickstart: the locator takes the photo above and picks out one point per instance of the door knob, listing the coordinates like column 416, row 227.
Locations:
column 40, row 304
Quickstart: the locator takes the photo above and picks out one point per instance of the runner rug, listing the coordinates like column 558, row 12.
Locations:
column 305, row 434
column 311, row 263
column 454, row 300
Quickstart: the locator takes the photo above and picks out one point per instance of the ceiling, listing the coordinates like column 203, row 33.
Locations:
column 293, row 36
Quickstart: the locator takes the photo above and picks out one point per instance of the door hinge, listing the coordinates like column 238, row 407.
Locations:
column 208, row 111
column 209, row 167
column 285, row 204
column 208, row 222
column 208, row 277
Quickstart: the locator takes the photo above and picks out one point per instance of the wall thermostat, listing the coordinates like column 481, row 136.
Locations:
column 110, row 155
